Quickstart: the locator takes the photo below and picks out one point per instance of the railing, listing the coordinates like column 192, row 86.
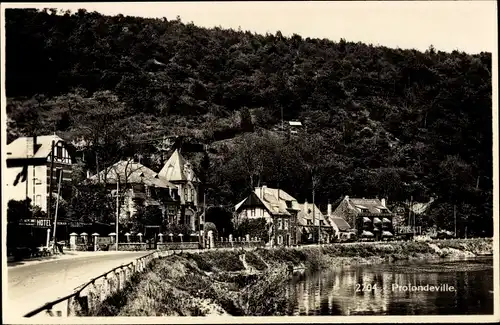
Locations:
column 90, row 294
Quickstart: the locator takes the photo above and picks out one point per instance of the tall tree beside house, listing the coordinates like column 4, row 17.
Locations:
column 408, row 123
column 92, row 204
column 148, row 216
column 17, row 210
column 253, row 227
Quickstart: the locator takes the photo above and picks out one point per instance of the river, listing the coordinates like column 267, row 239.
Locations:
column 418, row 288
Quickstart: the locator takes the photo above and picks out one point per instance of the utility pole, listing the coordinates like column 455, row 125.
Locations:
column 117, row 207
column 409, row 217
column 49, row 206
column 204, row 216
column 413, row 215
column 314, row 214
column 282, row 125
column 57, row 205
column 455, row 217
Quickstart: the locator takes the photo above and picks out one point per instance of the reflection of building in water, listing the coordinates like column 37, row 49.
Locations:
column 335, row 293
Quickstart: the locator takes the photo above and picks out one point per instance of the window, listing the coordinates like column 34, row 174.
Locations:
column 280, row 240
column 289, row 204
column 186, row 194
column 321, row 222
column 286, row 224
column 192, row 194
column 252, row 212
column 148, row 191
column 309, row 222
column 280, row 224
column 38, row 200
column 59, row 152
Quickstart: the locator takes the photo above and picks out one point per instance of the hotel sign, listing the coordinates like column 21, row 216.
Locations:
column 39, row 223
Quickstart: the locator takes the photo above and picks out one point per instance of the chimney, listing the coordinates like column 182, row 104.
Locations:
column 329, row 209
column 305, row 207
column 383, row 201
column 263, row 190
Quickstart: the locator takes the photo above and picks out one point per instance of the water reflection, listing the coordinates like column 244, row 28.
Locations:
column 372, row 290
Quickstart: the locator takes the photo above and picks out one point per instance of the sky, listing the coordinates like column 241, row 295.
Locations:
column 468, row 26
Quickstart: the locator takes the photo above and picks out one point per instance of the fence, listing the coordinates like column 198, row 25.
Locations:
column 88, row 296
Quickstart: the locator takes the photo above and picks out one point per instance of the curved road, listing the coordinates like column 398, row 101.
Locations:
column 31, row 286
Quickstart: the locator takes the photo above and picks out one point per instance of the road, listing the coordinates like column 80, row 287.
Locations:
column 31, row 286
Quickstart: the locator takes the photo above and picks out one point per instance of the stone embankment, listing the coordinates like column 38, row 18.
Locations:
column 252, row 282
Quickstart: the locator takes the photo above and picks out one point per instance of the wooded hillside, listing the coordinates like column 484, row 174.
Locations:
column 379, row 121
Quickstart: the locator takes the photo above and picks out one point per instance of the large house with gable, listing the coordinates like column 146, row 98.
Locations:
column 277, row 207
column 179, row 171
column 370, row 218
column 309, row 218
column 29, row 161
column 138, row 186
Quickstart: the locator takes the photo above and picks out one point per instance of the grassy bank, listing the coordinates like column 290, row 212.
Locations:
column 254, row 282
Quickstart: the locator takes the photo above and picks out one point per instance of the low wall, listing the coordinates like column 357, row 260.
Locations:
column 88, row 296
column 177, row 246
column 239, row 244
column 131, row 246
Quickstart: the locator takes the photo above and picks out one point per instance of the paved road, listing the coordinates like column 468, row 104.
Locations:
column 31, row 286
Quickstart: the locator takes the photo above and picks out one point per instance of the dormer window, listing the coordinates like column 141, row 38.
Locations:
column 59, row 152
column 289, row 204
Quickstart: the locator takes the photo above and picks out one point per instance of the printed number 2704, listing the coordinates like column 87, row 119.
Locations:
column 365, row 287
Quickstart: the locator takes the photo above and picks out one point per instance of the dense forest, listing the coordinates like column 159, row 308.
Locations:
column 377, row 121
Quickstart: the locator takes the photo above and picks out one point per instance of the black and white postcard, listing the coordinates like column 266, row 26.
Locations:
column 264, row 162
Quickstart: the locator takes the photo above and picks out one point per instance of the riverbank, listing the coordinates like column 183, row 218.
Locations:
column 253, row 283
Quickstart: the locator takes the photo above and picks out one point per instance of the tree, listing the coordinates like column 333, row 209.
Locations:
column 253, row 227
column 92, row 203
column 17, row 210
column 393, row 122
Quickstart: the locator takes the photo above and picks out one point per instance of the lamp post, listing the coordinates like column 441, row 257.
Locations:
column 117, row 207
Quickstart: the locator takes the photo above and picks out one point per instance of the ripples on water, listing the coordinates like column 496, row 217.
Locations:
column 333, row 292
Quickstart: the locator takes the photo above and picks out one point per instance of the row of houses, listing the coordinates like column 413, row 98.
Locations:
column 292, row 222
column 175, row 190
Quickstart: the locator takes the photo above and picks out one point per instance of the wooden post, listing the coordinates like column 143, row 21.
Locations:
column 51, row 173
column 57, row 207
column 455, row 217
column 117, row 207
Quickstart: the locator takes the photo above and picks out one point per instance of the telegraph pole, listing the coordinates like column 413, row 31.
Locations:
column 117, row 207
column 314, row 213
column 455, row 217
column 49, row 206
column 57, row 205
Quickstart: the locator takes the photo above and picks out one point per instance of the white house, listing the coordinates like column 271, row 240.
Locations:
column 28, row 162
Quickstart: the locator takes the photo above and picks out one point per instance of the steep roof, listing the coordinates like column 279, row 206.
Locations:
column 275, row 200
column 304, row 215
column 177, row 169
column 19, row 147
column 372, row 205
column 341, row 224
column 131, row 172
